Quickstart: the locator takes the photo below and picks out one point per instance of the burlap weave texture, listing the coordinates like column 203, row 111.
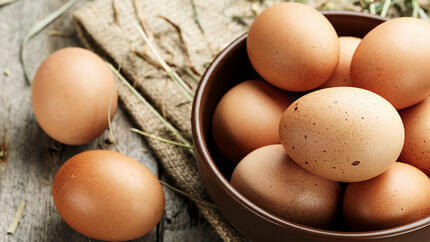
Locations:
column 109, row 28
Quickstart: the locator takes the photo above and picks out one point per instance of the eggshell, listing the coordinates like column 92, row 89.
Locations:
column 341, row 76
column 416, row 150
column 293, row 46
column 398, row 196
column 270, row 179
column 108, row 196
column 71, row 94
column 342, row 133
column 392, row 60
column 247, row 118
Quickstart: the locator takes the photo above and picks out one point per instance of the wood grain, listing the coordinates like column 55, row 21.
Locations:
column 31, row 158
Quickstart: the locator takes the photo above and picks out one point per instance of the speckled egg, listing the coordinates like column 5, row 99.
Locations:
column 270, row 179
column 398, row 196
column 293, row 46
column 393, row 60
column 342, row 133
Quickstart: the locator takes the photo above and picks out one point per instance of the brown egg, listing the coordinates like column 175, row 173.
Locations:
column 293, row 46
column 247, row 118
column 392, row 60
column 398, row 196
column 108, row 196
column 71, row 94
column 342, row 133
column 416, row 150
column 270, row 179
column 341, row 76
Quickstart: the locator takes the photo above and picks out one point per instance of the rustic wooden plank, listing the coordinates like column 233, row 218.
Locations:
column 182, row 221
column 31, row 158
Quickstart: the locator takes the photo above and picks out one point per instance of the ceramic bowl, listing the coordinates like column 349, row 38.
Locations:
column 229, row 68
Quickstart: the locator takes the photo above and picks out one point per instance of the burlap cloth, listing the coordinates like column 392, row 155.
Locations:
column 188, row 34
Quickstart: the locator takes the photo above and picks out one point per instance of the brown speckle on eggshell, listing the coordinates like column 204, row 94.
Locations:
column 351, row 148
column 392, row 61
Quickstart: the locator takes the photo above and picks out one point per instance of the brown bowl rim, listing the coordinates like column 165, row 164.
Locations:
column 201, row 146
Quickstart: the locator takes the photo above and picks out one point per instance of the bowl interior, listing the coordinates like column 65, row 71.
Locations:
column 231, row 67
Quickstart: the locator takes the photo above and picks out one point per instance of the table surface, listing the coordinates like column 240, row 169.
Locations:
column 31, row 159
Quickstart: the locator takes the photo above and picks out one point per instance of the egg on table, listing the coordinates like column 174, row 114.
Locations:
column 293, row 46
column 392, row 61
column 247, row 118
column 342, row 133
column 71, row 93
column 341, row 76
column 270, row 179
column 396, row 197
column 108, row 196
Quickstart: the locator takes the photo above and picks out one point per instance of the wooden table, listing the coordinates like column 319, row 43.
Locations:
column 30, row 158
